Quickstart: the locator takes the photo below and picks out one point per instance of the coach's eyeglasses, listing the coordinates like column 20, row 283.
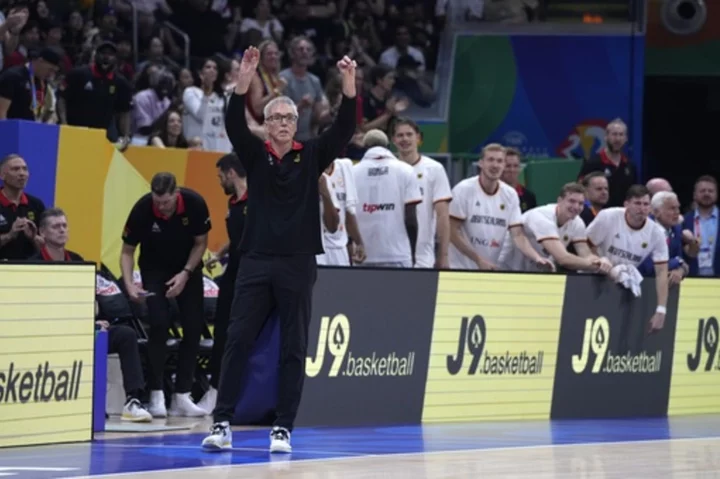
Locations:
column 289, row 118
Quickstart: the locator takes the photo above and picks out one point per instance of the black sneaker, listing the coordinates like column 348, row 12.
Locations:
column 280, row 440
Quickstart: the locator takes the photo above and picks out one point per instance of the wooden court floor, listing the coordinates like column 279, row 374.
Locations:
column 687, row 447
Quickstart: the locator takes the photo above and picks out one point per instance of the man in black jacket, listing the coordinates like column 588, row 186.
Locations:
column 281, row 238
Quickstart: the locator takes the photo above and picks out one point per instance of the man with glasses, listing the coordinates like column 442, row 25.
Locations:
column 277, row 269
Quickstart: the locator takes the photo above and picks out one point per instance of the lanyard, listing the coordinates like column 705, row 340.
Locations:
column 33, row 90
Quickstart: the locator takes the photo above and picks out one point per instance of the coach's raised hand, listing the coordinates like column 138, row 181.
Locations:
column 347, row 68
column 248, row 66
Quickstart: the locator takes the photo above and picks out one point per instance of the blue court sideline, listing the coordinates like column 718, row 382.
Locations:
column 166, row 452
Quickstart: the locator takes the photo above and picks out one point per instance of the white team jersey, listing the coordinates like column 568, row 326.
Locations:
column 320, row 259
column 540, row 224
column 204, row 117
column 486, row 219
column 384, row 186
column 435, row 187
column 621, row 244
column 343, row 182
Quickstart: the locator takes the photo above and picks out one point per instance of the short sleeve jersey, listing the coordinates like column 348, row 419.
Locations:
column 434, row 187
column 486, row 219
column 540, row 224
column 622, row 244
column 384, row 187
column 166, row 242
column 343, row 182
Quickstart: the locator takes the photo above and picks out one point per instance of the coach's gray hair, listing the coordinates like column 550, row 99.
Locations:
column 659, row 199
column 375, row 138
column 281, row 100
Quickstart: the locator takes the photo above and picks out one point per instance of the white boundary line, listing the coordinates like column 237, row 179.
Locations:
column 375, row 456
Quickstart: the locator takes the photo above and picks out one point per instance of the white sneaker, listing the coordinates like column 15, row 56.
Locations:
column 157, row 404
column 208, row 401
column 182, row 405
column 280, row 440
column 135, row 412
column 220, row 437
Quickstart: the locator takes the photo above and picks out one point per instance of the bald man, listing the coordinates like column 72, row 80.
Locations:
column 656, row 185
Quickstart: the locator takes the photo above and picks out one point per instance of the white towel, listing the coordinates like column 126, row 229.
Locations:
column 628, row 276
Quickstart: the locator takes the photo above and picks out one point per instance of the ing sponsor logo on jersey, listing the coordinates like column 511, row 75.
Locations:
column 373, row 207
column 490, row 243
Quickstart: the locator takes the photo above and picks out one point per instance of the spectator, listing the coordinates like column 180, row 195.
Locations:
column 36, row 101
column 151, row 103
column 379, row 107
column 156, row 55
column 94, row 96
column 125, row 64
column 29, row 41
column 391, row 56
column 74, row 37
column 704, row 222
column 168, row 132
column 511, row 176
column 267, row 83
column 53, row 38
column 611, row 160
column 305, row 89
column 362, row 25
column 122, row 339
column 10, row 27
column 204, row 110
column 263, row 21
column 18, row 211
column 656, row 185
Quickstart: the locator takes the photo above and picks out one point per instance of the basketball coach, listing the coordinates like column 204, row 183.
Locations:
column 282, row 236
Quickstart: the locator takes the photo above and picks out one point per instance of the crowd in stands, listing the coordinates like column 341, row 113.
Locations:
column 86, row 56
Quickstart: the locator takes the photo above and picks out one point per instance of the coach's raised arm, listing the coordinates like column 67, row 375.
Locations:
column 281, row 116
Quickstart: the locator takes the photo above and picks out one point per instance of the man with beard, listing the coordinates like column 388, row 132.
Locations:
column 550, row 230
column 19, row 211
column 96, row 94
column 703, row 222
column 233, row 180
column 482, row 212
column 619, row 170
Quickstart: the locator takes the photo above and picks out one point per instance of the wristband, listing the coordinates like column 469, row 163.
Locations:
column 187, row 270
column 661, row 309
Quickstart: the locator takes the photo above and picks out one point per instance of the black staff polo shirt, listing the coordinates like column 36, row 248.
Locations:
column 166, row 242
column 15, row 86
column 70, row 256
column 29, row 207
column 235, row 223
column 620, row 178
column 92, row 97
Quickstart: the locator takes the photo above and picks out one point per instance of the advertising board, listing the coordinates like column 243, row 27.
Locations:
column 493, row 347
column 46, row 353
column 695, row 385
column 608, row 364
column 368, row 347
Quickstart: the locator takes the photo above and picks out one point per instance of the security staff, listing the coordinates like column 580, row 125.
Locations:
column 24, row 92
column 94, row 95
column 19, row 211
column 282, row 236
column 233, row 180
column 171, row 226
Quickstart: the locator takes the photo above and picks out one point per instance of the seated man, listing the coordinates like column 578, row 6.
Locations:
column 53, row 228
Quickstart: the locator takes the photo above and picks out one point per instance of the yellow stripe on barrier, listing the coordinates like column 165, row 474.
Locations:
column 695, row 384
column 494, row 347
